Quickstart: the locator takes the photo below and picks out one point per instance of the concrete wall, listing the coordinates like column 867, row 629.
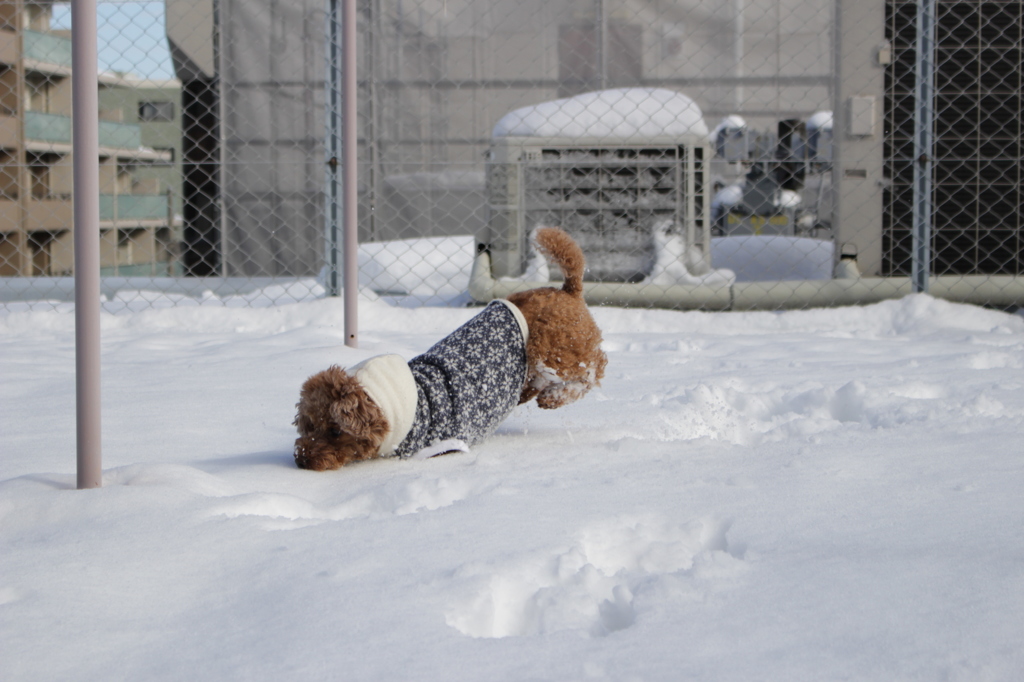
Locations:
column 858, row 158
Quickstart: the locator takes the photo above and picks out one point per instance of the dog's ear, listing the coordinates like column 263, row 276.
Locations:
column 336, row 397
column 318, row 391
column 355, row 413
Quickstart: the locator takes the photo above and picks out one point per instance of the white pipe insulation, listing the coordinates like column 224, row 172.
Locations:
column 848, row 288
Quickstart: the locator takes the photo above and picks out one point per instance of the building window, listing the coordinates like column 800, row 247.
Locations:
column 40, row 175
column 156, row 112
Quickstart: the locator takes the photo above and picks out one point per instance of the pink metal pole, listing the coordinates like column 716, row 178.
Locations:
column 86, row 153
column 349, row 159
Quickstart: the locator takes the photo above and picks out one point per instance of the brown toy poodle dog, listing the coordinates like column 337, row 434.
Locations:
column 564, row 356
column 540, row 344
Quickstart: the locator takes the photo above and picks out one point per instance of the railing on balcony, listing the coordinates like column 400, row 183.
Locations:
column 120, row 135
column 46, row 47
column 56, row 128
column 47, row 127
column 133, row 207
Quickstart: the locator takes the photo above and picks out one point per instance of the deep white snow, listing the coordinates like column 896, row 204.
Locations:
column 816, row 495
column 773, row 257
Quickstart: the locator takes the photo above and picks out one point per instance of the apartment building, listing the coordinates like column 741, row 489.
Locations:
column 138, row 224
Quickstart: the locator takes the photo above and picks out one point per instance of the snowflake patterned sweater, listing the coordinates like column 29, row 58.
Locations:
column 456, row 393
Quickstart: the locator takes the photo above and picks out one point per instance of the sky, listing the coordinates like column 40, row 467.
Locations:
column 132, row 37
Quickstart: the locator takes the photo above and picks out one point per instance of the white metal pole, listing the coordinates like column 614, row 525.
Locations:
column 602, row 44
column 85, row 152
column 350, row 206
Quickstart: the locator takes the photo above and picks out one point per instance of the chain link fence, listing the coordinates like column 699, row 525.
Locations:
column 725, row 154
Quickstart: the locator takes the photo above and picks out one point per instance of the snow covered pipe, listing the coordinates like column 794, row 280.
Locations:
column 849, row 288
column 86, row 194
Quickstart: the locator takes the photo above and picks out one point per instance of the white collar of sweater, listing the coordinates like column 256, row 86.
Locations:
column 388, row 381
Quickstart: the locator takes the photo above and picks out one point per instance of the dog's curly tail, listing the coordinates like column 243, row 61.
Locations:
column 557, row 245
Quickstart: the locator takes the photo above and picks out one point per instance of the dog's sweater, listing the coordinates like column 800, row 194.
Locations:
column 459, row 390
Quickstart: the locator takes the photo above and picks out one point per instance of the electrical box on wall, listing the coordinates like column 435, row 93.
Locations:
column 883, row 55
column 860, row 112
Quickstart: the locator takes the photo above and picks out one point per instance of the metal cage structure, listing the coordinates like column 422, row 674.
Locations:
column 610, row 198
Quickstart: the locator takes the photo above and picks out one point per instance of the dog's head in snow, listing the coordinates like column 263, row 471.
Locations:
column 338, row 423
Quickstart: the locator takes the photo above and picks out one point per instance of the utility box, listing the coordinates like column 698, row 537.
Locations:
column 611, row 168
column 861, row 115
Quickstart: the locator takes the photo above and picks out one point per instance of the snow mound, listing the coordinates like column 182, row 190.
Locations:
column 433, row 270
column 750, row 415
column 618, row 113
column 914, row 314
column 675, row 264
column 280, row 511
column 596, row 585
column 764, row 258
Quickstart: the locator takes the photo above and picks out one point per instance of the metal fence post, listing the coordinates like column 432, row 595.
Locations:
column 333, row 147
column 350, row 206
column 85, row 134
column 923, row 152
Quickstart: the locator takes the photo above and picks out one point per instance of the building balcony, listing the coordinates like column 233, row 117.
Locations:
column 55, row 215
column 47, row 48
column 50, row 54
column 120, row 135
column 56, row 129
column 134, row 241
column 133, row 207
column 47, row 127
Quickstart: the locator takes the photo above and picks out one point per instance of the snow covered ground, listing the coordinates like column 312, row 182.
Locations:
column 815, row 495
